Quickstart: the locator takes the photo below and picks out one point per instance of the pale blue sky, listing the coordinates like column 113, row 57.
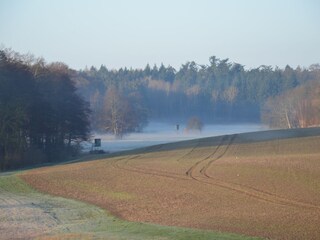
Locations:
column 133, row 33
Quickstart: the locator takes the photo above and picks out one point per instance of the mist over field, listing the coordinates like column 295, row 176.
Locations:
column 165, row 132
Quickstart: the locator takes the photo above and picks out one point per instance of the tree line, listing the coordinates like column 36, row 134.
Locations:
column 42, row 118
column 219, row 91
column 47, row 109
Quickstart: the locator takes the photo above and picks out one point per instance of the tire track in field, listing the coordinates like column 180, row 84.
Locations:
column 124, row 164
column 158, row 173
column 190, row 172
column 199, row 172
column 190, row 151
column 126, row 167
column 201, row 168
column 208, row 164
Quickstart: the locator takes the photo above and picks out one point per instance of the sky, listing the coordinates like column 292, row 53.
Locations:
column 133, row 33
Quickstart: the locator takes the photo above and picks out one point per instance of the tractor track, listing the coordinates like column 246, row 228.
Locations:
column 191, row 170
column 199, row 172
column 203, row 177
column 189, row 152
column 208, row 164
column 152, row 172
column 157, row 173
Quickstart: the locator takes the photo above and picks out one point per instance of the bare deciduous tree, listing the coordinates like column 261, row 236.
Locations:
column 297, row 108
column 123, row 114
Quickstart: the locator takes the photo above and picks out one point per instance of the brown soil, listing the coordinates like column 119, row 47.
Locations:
column 249, row 184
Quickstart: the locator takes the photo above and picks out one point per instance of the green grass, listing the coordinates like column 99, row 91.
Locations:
column 79, row 220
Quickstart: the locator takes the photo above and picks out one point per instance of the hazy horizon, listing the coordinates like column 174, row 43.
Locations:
column 133, row 34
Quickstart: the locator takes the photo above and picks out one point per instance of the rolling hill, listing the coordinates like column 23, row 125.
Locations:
column 264, row 184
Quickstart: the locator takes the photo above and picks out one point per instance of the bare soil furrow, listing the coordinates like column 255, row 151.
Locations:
column 191, row 170
column 145, row 171
column 215, row 158
column 203, row 165
column 179, row 159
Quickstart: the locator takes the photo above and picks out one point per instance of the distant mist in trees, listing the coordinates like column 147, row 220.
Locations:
column 218, row 92
column 121, row 114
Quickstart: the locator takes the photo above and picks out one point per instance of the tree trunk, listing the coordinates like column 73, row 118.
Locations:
column 287, row 119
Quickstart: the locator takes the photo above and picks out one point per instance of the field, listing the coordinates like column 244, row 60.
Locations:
column 263, row 184
column 27, row 214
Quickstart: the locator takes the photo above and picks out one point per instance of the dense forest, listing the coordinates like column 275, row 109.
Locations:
column 219, row 91
column 47, row 109
column 42, row 118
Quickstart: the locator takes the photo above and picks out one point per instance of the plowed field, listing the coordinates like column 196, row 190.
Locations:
column 263, row 184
